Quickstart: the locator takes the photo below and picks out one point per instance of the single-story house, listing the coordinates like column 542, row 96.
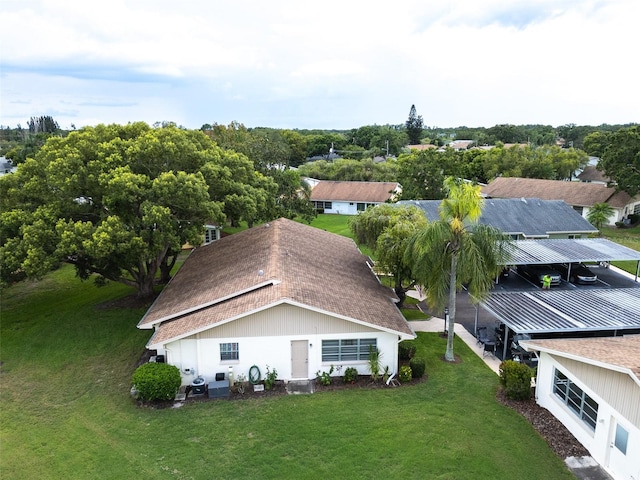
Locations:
column 580, row 195
column 523, row 218
column 349, row 198
column 284, row 295
column 590, row 174
column 592, row 385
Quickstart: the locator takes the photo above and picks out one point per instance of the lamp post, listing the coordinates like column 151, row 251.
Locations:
column 446, row 320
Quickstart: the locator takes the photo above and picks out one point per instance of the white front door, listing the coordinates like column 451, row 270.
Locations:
column 618, row 462
column 299, row 359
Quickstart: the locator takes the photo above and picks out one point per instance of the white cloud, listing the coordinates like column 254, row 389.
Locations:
column 333, row 64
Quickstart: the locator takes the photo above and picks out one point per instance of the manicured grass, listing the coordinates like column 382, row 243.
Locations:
column 629, row 237
column 338, row 224
column 65, row 410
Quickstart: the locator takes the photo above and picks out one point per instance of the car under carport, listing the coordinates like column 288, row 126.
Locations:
column 600, row 311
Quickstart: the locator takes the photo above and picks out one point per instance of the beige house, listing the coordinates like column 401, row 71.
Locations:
column 285, row 295
column 580, row 195
column 592, row 385
column 349, row 198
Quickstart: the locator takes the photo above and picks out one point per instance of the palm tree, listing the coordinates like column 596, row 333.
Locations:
column 456, row 251
column 599, row 214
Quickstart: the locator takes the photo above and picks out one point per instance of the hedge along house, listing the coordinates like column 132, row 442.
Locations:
column 592, row 385
column 284, row 295
column 349, row 198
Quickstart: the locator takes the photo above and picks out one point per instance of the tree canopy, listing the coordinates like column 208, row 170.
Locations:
column 118, row 201
column 621, row 158
column 414, row 126
column 385, row 229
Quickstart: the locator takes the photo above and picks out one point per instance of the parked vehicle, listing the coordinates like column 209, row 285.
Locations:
column 536, row 272
column 577, row 273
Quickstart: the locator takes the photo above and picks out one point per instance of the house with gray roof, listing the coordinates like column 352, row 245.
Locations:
column 581, row 196
column 523, row 218
column 285, row 295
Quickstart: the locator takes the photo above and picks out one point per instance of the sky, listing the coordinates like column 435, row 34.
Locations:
column 320, row 65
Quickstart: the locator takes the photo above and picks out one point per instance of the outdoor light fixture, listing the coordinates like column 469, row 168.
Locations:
column 446, row 319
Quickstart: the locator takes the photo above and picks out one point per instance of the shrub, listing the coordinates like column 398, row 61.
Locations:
column 270, row 378
column 240, row 383
column 418, row 366
column 350, row 375
column 374, row 362
column 406, row 349
column 324, row 378
column 405, row 375
column 156, row 381
column 515, row 377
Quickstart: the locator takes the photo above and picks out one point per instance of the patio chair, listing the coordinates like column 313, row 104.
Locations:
column 488, row 348
column 481, row 335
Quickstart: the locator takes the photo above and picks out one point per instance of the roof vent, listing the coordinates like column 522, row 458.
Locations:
column 260, row 273
column 524, row 200
column 267, row 225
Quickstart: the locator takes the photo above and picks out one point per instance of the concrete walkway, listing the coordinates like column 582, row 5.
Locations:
column 435, row 324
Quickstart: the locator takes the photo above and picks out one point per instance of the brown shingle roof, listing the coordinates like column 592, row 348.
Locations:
column 334, row 191
column 574, row 193
column 283, row 262
column 592, row 174
column 621, row 352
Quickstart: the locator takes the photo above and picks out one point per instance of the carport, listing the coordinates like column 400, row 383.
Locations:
column 610, row 311
column 606, row 310
column 586, row 250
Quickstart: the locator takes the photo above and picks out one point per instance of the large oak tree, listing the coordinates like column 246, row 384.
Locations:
column 117, row 201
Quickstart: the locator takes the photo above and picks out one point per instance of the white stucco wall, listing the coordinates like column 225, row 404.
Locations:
column 202, row 356
column 342, row 208
column 597, row 442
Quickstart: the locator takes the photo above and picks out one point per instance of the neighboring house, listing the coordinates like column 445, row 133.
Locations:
column 212, row 232
column 591, row 174
column 458, row 145
column 349, row 198
column 580, row 195
column 284, row 295
column 422, row 146
column 592, row 385
column 523, row 218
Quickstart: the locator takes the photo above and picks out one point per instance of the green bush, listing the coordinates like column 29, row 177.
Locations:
column 270, row 378
column 350, row 375
column 515, row 377
column 156, row 381
column 406, row 349
column 405, row 375
column 374, row 362
column 418, row 366
column 324, row 378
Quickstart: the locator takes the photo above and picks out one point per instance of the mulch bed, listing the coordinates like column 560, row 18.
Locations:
column 561, row 441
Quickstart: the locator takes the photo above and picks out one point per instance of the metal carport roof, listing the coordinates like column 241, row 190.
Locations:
column 536, row 312
column 569, row 250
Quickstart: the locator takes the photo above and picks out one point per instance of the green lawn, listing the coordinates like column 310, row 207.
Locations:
column 629, row 237
column 65, row 410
